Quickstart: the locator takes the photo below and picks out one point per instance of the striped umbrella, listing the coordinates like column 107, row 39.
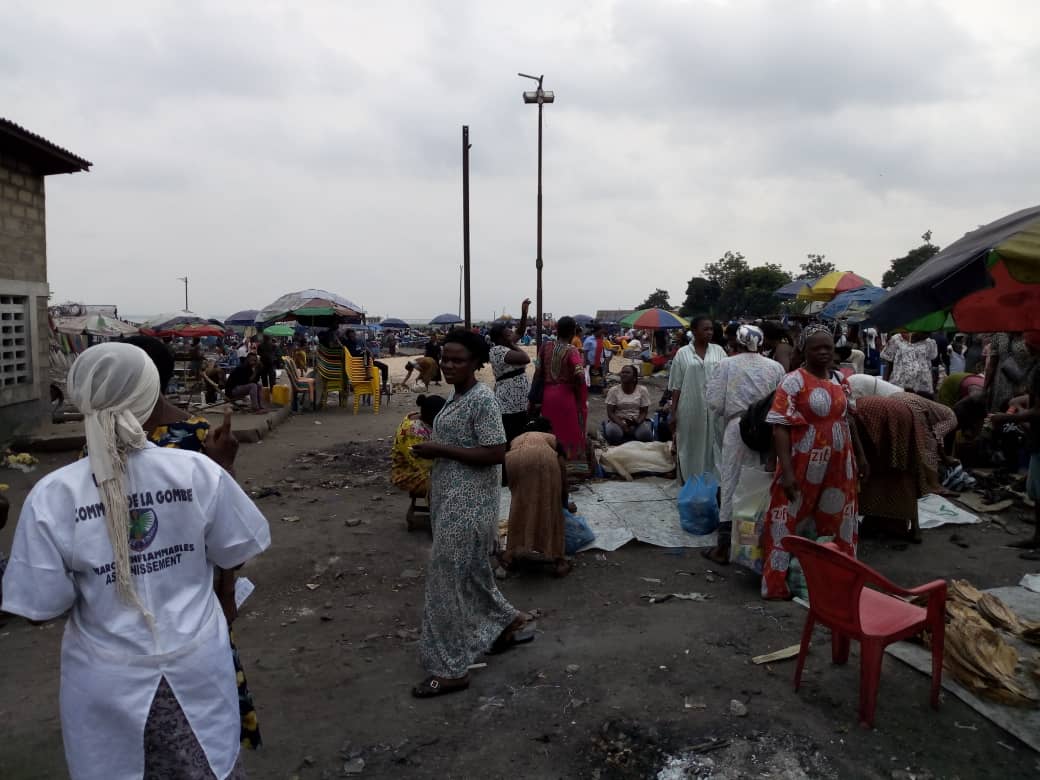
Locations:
column 829, row 285
column 656, row 319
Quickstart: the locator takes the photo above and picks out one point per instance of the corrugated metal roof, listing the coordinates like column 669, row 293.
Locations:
column 43, row 156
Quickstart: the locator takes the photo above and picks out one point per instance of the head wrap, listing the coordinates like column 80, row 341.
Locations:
column 116, row 387
column 811, row 330
column 750, row 337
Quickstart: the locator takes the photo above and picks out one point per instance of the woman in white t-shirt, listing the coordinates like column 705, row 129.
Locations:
column 126, row 541
column 627, row 407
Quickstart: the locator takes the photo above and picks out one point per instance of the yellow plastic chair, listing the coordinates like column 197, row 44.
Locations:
column 330, row 374
column 364, row 379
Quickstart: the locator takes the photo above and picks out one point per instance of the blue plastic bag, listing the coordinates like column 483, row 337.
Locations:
column 576, row 533
column 698, row 504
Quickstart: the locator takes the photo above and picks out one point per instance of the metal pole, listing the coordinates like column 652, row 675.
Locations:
column 465, row 221
column 186, row 294
column 538, row 258
column 459, row 310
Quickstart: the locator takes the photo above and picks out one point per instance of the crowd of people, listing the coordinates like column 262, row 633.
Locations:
column 849, row 422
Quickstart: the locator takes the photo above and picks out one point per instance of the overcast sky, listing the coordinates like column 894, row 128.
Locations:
column 262, row 147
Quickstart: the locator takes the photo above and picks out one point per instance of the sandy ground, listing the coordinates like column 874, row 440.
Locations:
column 611, row 688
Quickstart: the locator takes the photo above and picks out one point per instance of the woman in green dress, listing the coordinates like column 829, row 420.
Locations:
column 465, row 613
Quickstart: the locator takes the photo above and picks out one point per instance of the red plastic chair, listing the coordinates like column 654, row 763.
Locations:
column 839, row 600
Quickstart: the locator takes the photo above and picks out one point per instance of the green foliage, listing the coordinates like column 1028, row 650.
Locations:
column 702, row 296
column 903, row 266
column 658, row 299
column 751, row 292
column 815, row 267
column 723, row 270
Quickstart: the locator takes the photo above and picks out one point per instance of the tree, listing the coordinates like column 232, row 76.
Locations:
column 658, row 299
column 725, row 268
column 752, row 292
column 702, row 295
column 903, row 266
column 816, row 266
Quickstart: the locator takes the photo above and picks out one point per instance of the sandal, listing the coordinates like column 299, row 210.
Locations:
column 512, row 637
column 439, row 686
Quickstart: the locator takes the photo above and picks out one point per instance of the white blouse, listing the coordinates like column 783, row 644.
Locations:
column 187, row 516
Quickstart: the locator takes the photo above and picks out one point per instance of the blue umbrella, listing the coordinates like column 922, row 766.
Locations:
column 583, row 319
column 393, row 322
column 446, row 319
column 792, row 289
column 852, row 304
column 246, row 317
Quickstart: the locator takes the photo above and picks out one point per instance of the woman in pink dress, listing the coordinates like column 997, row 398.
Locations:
column 564, row 392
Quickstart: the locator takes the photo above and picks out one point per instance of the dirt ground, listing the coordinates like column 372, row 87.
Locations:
column 612, row 688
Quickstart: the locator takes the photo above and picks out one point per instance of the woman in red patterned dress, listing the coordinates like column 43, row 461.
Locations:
column 820, row 458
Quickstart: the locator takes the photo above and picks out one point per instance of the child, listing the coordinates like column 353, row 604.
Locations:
column 407, row 471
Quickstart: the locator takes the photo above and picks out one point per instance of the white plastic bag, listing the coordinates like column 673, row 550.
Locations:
column 750, row 502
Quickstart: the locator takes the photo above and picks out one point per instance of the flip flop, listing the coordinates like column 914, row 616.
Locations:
column 522, row 636
column 433, row 686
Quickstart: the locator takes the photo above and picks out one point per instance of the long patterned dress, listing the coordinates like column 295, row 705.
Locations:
column 698, row 430
column 465, row 612
column 824, row 464
column 740, row 381
column 564, row 401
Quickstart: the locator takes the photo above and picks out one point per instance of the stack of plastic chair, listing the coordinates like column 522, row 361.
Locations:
column 331, row 375
column 300, row 386
column 364, row 379
column 839, row 600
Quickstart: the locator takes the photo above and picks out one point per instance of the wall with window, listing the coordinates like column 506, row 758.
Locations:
column 24, row 337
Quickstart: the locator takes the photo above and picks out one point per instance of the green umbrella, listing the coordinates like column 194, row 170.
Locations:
column 626, row 322
column 279, row 330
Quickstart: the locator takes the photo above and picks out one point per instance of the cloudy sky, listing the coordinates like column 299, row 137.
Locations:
column 262, row 147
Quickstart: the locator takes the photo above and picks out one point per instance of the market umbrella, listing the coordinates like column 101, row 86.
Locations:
column 244, row 318
column 796, row 288
column 853, row 305
column 394, row 323
column 280, row 329
column 829, row 285
column 583, row 319
column 656, row 319
column 446, row 319
column 177, row 320
column 310, row 307
column 989, row 280
column 94, row 325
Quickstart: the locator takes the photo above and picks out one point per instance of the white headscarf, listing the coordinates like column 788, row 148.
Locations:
column 116, row 387
column 750, row 337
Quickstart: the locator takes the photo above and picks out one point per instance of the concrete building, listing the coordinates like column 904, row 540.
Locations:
column 25, row 159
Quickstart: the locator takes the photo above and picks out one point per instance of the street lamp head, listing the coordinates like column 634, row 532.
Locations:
column 535, row 97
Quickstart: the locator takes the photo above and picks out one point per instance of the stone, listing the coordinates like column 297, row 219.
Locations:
column 354, row 766
column 738, row 708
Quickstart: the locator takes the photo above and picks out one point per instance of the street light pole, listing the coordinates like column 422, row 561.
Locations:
column 540, row 97
column 465, row 221
column 185, row 280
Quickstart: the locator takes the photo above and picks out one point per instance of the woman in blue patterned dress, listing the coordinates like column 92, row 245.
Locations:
column 465, row 614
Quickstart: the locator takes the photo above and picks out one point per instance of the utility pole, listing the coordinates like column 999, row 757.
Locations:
column 185, row 280
column 465, row 222
column 539, row 97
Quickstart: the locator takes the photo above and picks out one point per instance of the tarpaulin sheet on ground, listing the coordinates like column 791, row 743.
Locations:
column 619, row 512
column 1017, row 721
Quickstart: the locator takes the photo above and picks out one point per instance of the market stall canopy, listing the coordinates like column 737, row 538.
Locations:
column 796, row 288
column 311, row 307
column 244, row 318
column 394, row 323
column 164, row 322
column 94, row 325
column 853, row 305
column 830, row 285
column 989, row 280
column 654, row 319
column 446, row 319
column 280, row 329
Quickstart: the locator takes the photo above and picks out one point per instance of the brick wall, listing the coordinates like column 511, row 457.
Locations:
column 23, row 272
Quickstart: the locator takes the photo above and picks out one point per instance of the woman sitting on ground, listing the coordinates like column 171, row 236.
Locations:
column 628, row 405
column 537, row 471
column 408, row 471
